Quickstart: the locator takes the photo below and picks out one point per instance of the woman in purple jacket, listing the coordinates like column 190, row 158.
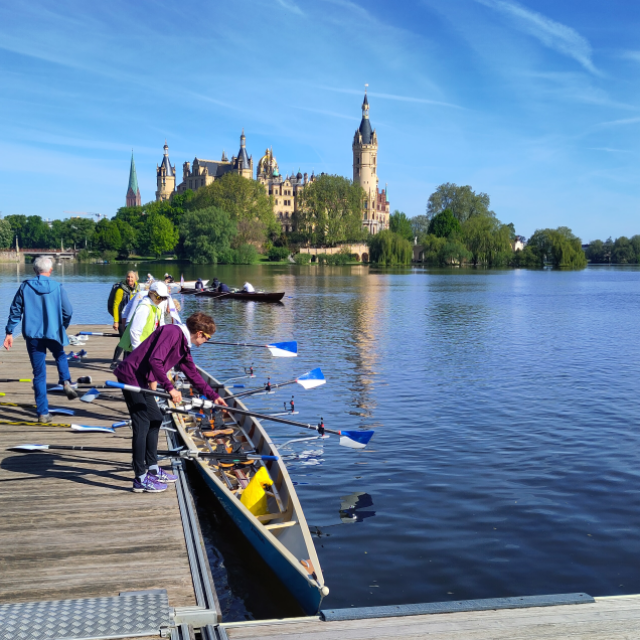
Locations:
column 166, row 348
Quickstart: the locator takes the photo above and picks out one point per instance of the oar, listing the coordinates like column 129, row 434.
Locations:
column 309, row 380
column 171, row 453
column 73, row 427
column 277, row 349
column 98, row 333
column 66, row 412
column 16, row 380
column 351, row 439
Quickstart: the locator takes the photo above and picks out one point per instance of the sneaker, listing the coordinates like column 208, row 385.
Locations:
column 45, row 418
column 72, row 394
column 163, row 476
column 150, row 484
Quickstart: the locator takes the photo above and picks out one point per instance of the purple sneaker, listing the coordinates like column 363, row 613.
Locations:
column 163, row 476
column 150, row 484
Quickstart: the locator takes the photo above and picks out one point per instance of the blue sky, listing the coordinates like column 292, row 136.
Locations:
column 535, row 103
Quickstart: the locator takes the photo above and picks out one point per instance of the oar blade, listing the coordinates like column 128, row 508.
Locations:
column 355, row 439
column 90, row 429
column 90, row 396
column 124, row 423
column 62, row 411
column 283, row 349
column 311, row 379
column 30, row 447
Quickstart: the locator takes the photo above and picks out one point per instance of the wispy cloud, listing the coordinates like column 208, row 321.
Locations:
column 331, row 114
column 552, row 34
column 389, row 96
column 618, row 123
column 290, row 6
column 610, row 150
column 631, row 55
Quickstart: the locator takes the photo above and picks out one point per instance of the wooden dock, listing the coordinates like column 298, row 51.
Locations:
column 616, row 618
column 71, row 527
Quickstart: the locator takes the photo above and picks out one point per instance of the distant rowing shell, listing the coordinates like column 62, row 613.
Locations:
column 242, row 295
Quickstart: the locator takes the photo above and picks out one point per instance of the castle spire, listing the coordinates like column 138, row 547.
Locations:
column 133, row 192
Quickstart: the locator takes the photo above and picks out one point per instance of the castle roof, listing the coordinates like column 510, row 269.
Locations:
column 243, row 158
column 165, row 161
column 133, row 176
column 215, row 168
column 365, row 130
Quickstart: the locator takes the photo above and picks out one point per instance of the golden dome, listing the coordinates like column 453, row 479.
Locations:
column 268, row 163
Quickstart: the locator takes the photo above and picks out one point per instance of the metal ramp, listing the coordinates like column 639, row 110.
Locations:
column 128, row 615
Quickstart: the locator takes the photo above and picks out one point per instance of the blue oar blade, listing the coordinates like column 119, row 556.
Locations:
column 87, row 429
column 283, row 349
column 355, row 439
column 311, row 379
column 62, row 411
column 124, row 423
column 90, row 396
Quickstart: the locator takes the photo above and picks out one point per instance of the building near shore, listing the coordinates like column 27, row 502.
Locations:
column 133, row 198
column 286, row 190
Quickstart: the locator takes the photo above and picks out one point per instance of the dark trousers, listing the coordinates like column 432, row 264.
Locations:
column 146, row 420
column 37, row 350
column 122, row 325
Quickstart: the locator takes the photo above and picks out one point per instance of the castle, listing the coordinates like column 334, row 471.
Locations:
column 286, row 190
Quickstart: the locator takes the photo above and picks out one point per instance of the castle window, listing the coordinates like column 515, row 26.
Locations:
column 190, row 184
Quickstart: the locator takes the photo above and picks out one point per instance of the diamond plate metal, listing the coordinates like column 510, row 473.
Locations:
column 87, row 619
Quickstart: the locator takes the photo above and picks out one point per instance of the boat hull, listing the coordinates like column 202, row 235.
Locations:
column 243, row 295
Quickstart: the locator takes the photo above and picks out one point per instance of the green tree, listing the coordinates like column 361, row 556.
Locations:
column 330, row 211
column 206, row 234
column 78, row 232
column 463, row 202
column 420, row 226
column 595, row 252
column 6, row 234
column 107, row 236
column 247, row 203
column 32, row 231
column 623, row 251
column 635, row 243
column 158, row 234
column 128, row 236
column 558, row 246
column 389, row 248
column 487, row 240
column 431, row 248
column 400, row 224
column 454, row 252
column 444, row 224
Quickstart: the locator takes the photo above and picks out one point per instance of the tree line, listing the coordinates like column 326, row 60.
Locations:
column 621, row 251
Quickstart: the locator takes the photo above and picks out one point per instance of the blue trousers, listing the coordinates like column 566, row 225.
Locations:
column 37, row 349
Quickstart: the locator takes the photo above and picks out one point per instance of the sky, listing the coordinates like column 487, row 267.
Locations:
column 535, row 103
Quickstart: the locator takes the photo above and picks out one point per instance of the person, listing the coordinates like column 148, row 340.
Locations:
column 248, row 288
column 199, row 285
column 147, row 316
column 45, row 310
column 167, row 348
column 168, row 278
column 215, row 284
column 126, row 289
column 223, row 288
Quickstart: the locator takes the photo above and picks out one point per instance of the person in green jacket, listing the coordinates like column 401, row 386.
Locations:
column 128, row 288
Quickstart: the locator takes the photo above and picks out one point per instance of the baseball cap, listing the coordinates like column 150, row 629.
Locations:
column 160, row 288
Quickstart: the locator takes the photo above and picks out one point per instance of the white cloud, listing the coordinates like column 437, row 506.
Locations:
column 552, row 34
column 632, row 55
column 290, row 6
column 390, row 96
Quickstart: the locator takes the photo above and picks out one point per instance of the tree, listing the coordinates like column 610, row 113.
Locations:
column 32, row 231
column 558, row 246
column 623, row 251
column 158, row 234
column 444, row 224
column 454, row 252
column 128, row 235
column 6, row 234
column 206, row 234
column 487, row 240
column 400, row 224
column 595, row 252
column 389, row 248
column 420, row 226
column 107, row 236
column 78, row 232
column 635, row 243
column 247, row 203
column 463, row 202
column 330, row 211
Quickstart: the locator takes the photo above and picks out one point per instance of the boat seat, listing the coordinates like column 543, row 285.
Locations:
column 281, row 525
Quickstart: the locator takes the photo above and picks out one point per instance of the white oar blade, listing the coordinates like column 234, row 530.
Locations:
column 62, row 411
column 30, row 447
column 88, row 429
column 283, row 349
column 312, row 379
column 355, row 439
column 90, row 396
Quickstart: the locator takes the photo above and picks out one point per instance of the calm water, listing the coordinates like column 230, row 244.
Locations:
column 506, row 455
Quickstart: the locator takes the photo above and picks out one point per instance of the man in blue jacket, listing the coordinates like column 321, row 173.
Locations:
column 45, row 310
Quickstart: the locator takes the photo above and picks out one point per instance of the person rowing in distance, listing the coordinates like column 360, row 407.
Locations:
column 248, row 288
column 166, row 348
column 199, row 285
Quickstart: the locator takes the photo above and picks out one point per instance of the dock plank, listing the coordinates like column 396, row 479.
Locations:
column 71, row 527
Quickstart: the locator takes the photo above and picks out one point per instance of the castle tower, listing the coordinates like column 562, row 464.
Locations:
column 365, row 170
column 244, row 162
column 133, row 192
column 166, row 177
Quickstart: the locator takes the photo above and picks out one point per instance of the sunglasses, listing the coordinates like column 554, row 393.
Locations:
column 206, row 335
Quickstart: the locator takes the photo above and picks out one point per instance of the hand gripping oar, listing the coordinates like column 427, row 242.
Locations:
column 175, row 453
column 277, row 349
column 73, row 427
column 309, row 380
column 351, row 439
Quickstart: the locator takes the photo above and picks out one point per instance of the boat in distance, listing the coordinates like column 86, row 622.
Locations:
column 256, row 296
column 281, row 536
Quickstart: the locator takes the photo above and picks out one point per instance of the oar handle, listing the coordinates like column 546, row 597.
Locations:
column 132, row 389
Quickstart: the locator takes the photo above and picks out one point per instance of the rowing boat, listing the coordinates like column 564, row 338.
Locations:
column 281, row 536
column 256, row 296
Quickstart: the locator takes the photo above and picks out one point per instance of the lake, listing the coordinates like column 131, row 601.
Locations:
column 506, row 455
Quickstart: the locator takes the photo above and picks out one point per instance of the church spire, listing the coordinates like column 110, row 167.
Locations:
column 133, row 191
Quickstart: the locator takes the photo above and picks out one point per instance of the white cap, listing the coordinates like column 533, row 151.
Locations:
column 160, row 288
